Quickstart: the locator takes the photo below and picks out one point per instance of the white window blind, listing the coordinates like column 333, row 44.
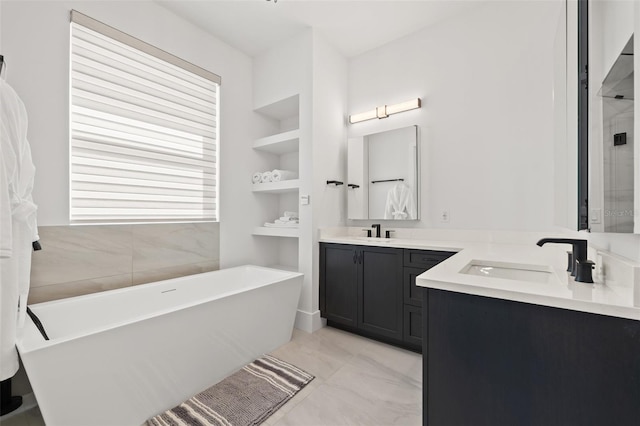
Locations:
column 143, row 131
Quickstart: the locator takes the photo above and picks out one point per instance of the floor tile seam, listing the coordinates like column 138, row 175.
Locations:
column 303, row 399
column 344, row 364
column 389, row 372
column 285, row 414
column 327, row 387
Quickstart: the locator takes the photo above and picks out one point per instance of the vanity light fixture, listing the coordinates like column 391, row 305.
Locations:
column 385, row 111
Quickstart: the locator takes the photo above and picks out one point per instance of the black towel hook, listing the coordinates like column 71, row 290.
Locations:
column 334, row 182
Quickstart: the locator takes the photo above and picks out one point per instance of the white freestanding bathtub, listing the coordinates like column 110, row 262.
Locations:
column 119, row 357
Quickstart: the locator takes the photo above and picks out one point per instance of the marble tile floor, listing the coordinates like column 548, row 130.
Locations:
column 358, row 382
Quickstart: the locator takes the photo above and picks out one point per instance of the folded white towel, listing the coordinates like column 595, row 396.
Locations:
column 281, row 225
column 266, row 177
column 290, row 214
column 278, row 175
column 256, row 177
column 286, row 221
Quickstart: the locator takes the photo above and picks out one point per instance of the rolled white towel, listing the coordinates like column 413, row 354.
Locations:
column 266, row 177
column 290, row 214
column 278, row 175
column 256, row 177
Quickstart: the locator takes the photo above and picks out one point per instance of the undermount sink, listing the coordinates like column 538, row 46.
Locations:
column 510, row 271
column 376, row 240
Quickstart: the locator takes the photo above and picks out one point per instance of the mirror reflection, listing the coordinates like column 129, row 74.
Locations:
column 613, row 181
column 382, row 175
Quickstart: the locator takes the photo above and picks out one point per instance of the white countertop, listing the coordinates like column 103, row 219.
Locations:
column 561, row 292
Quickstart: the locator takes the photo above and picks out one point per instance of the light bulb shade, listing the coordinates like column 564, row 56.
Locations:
column 404, row 106
column 363, row 116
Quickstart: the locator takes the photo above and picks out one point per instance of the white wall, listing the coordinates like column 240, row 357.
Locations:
column 34, row 37
column 329, row 151
column 283, row 71
column 486, row 123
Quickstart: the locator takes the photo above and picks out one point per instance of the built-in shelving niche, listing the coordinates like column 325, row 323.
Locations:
column 281, row 149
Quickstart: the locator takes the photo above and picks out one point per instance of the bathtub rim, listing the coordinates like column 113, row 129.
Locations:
column 30, row 339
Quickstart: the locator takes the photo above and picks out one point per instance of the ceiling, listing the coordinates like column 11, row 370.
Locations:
column 352, row 26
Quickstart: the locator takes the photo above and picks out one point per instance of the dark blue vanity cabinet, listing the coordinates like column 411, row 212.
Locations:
column 339, row 284
column 371, row 290
column 499, row 362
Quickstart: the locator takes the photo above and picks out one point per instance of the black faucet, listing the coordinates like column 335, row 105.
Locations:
column 377, row 226
column 581, row 265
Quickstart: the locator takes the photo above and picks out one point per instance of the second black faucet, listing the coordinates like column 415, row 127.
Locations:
column 581, row 266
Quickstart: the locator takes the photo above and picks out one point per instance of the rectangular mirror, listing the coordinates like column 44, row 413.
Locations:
column 382, row 175
column 614, row 172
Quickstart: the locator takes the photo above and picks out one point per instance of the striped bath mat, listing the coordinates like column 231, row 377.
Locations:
column 247, row 397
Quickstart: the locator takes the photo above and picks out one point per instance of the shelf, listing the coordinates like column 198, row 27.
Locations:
column 282, row 109
column 277, row 187
column 281, row 143
column 277, row 232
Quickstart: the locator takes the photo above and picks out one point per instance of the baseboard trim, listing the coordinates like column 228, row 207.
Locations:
column 309, row 321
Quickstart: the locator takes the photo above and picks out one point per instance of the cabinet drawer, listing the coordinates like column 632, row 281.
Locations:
column 424, row 258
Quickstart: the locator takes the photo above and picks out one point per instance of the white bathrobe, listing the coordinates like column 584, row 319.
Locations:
column 17, row 224
column 400, row 203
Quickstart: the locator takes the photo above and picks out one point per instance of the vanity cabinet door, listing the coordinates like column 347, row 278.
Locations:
column 413, row 326
column 412, row 293
column 380, row 291
column 339, row 283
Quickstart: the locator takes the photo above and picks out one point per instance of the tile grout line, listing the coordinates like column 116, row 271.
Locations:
column 322, row 382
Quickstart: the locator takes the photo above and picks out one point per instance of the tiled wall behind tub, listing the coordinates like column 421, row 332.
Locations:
column 77, row 260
